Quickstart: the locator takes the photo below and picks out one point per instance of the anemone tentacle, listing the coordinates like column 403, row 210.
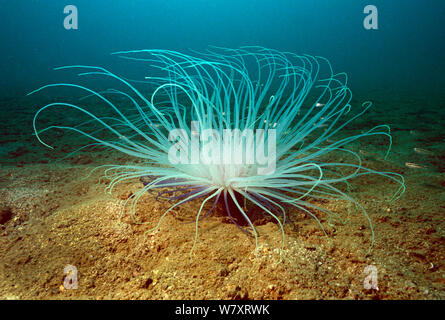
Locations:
column 250, row 88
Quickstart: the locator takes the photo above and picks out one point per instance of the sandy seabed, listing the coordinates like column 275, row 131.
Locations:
column 54, row 215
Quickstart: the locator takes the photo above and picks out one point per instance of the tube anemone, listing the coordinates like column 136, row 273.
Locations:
column 229, row 126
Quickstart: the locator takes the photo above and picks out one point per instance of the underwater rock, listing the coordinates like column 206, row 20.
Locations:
column 5, row 214
column 237, row 293
column 145, row 282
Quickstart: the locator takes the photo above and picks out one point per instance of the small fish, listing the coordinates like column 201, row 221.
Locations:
column 319, row 105
column 413, row 165
column 423, row 151
column 365, row 153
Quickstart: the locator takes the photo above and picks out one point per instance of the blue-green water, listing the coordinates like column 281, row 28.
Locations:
column 404, row 55
column 399, row 66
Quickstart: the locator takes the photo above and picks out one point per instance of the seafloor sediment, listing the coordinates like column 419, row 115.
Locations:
column 53, row 216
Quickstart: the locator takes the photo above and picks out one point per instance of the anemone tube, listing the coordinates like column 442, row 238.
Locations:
column 251, row 88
